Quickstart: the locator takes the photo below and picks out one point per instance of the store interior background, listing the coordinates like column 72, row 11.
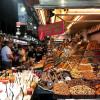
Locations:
column 9, row 17
column 78, row 21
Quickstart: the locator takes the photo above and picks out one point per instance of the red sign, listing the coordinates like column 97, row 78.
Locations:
column 18, row 24
column 51, row 29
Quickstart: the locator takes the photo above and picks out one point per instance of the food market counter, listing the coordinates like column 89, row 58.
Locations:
column 41, row 94
column 17, row 85
column 22, row 86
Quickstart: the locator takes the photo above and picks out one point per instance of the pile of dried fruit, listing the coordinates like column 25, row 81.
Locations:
column 61, row 89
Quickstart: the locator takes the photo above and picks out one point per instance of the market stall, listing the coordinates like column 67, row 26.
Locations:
column 66, row 62
column 77, row 71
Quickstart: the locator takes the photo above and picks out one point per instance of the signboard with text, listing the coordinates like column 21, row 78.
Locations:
column 51, row 29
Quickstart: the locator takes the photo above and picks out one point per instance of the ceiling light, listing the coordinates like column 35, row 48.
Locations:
column 30, row 23
column 69, row 26
column 77, row 18
column 18, row 32
column 62, row 2
column 52, row 19
column 25, row 36
column 78, row 12
column 84, row 11
column 23, row 9
column 35, row 27
column 42, row 14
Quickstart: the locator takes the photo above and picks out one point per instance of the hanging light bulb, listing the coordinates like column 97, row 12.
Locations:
column 18, row 32
column 1, row 32
column 25, row 36
column 35, row 27
column 23, row 9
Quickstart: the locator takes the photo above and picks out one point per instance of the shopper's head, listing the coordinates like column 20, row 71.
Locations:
column 10, row 43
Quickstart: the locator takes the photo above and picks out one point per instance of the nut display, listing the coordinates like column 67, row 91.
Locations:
column 82, row 90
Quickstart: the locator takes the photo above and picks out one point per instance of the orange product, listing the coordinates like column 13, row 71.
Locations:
column 97, row 86
column 98, row 91
column 84, row 61
column 61, row 88
column 61, row 65
column 33, row 85
column 86, row 67
column 7, row 78
column 89, row 75
column 12, row 79
column 49, row 65
column 0, row 78
column 9, row 71
column 5, row 81
column 29, row 91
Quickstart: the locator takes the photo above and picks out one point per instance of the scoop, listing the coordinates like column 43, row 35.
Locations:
column 50, row 85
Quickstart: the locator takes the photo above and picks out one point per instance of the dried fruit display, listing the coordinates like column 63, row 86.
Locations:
column 85, row 67
column 92, row 45
column 89, row 75
column 98, row 91
column 89, row 53
column 61, row 89
column 84, row 61
column 75, row 82
column 75, row 73
column 98, row 75
column 97, row 86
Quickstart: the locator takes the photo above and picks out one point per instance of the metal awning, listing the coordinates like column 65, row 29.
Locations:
column 51, row 4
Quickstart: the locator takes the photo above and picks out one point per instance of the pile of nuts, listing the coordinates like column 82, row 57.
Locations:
column 82, row 90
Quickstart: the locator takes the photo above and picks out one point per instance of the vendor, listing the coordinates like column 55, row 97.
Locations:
column 38, row 54
column 7, row 55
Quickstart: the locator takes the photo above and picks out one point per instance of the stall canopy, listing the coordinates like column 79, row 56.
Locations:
column 75, row 20
column 77, row 15
column 68, row 3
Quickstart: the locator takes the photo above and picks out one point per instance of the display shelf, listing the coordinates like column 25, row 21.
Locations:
column 40, row 94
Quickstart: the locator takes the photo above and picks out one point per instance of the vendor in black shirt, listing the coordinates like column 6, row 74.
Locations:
column 38, row 54
column 31, row 52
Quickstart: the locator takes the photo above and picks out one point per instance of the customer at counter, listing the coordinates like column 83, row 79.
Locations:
column 22, row 55
column 1, row 41
column 7, row 55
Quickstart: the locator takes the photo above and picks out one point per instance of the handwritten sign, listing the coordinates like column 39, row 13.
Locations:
column 51, row 29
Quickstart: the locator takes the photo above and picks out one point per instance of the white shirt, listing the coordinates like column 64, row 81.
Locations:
column 4, row 52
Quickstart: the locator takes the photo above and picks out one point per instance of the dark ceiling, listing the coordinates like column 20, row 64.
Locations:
column 8, row 16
